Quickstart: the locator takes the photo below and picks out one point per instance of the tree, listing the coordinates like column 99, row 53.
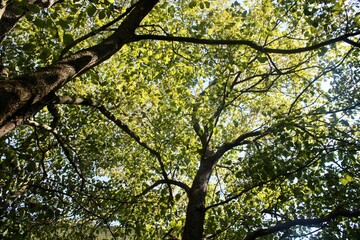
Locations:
column 179, row 119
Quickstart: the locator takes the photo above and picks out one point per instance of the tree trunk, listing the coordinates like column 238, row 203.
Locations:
column 195, row 213
column 24, row 96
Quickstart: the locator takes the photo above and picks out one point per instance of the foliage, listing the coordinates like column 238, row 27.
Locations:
column 116, row 152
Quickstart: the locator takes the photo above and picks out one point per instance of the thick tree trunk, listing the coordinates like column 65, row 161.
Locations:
column 24, row 96
column 195, row 213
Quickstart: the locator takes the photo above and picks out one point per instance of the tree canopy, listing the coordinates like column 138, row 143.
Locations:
column 179, row 119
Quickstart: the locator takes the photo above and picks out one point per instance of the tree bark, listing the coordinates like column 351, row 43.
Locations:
column 24, row 96
column 195, row 213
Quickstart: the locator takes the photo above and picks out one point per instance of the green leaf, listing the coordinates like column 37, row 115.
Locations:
column 262, row 59
column 67, row 39
column 90, row 10
column 39, row 23
column 33, row 8
column 244, row 13
column 102, row 15
column 337, row 7
column 323, row 51
column 307, row 12
column 18, row 10
column 29, row 47
column 145, row 120
column 347, row 179
column 31, row 167
column 192, row 4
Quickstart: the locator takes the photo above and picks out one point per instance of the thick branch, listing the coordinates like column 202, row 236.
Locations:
column 307, row 222
column 355, row 44
column 200, row 132
column 342, row 38
column 8, row 18
column 241, row 140
column 38, row 85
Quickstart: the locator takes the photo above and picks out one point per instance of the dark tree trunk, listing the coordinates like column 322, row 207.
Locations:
column 195, row 213
column 23, row 96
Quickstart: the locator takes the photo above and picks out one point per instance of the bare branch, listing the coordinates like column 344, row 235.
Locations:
column 182, row 185
column 56, row 115
column 200, row 132
column 55, row 191
column 307, row 222
column 110, row 116
column 342, row 38
column 355, row 44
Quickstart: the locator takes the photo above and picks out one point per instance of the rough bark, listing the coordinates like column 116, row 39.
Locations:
column 195, row 213
column 24, row 96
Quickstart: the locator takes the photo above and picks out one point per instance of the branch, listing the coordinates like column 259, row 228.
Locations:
column 355, row 44
column 307, row 222
column 342, row 38
column 111, row 117
column 8, row 18
column 331, row 111
column 200, row 132
column 241, row 140
column 38, row 87
column 259, row 184
column 12, row 11
column 56, row 115
column 182, row 185
column 96, row 31
column 117, row 122
column 62, row 144
column 315, row 79
column 73, row 198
